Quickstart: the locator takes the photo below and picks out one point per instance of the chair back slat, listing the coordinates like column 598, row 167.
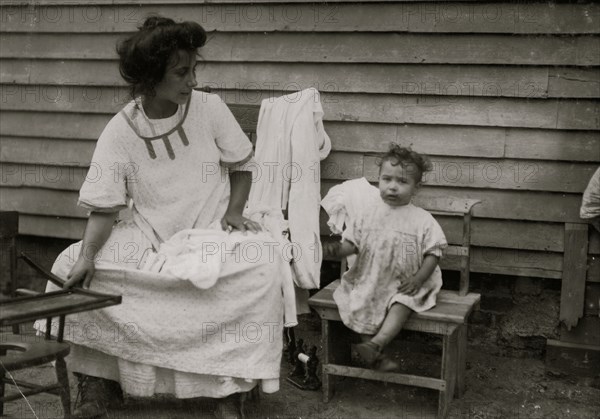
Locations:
column 445, row 205
column 9, row 229
column 9, row 224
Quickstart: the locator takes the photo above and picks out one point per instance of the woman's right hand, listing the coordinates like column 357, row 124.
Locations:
column 82, row 271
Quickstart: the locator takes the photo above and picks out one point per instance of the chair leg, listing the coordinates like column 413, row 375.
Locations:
column 461, row 341
column 336, row 350
column 449, row 372
column 63, row 380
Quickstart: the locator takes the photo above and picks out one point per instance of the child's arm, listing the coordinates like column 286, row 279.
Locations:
column 412, row 286
column 339, row 250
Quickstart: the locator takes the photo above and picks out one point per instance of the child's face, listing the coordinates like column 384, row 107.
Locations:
column 397, row 184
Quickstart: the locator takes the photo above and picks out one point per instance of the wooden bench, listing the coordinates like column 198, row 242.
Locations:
column 447, row 319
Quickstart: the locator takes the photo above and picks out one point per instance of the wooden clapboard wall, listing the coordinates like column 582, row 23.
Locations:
column 502, row 96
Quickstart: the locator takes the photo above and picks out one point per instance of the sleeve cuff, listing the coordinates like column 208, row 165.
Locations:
column 349, row 236
column 238, row 166
column 105, row 209
column 437, row 250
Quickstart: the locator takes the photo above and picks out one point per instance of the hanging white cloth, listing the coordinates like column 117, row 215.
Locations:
column 291, row 142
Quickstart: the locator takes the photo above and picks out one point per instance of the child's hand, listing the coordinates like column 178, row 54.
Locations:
column 410, row 286
column 331, row 250
column 338, row 250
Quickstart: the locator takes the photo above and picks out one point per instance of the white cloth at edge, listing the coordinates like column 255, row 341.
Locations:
column 291, row 141
column 590, row 202
column 346, row 202
column 197, row 255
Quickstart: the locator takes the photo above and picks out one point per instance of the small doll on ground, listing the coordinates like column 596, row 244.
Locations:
column 396, row 271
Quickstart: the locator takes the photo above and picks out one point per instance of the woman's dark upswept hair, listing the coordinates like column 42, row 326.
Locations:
column 405, row 156
column 143, row 57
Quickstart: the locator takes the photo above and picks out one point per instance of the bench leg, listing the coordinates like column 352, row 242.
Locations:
column 461, row 341
column 63, row 380
column 336, row 350
column 449, row 372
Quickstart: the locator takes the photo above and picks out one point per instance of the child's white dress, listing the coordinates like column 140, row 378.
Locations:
column 392, row 243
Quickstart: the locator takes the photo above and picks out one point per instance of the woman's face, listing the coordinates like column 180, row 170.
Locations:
column 179, row 80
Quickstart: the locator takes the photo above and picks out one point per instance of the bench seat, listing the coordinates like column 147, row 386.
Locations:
column 450, row 307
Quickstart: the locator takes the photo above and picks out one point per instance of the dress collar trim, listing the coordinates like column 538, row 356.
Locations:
column 144, row 127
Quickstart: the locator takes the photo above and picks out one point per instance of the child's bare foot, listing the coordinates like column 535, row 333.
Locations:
column 368, row 353
column 386, row 364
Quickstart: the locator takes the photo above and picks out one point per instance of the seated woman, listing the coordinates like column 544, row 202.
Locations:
column 179, row 156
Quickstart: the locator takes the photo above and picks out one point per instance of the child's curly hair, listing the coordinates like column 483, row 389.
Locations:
column 405, row 156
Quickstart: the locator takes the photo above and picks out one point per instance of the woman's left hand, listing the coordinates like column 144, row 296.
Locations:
column 239, row 222
column 410, row 286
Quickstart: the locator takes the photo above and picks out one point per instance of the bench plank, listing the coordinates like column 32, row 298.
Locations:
column 406, row 379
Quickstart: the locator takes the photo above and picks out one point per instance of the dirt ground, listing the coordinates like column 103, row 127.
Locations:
column 497, row 387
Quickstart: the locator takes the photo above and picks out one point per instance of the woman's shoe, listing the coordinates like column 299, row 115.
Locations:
column 234, row 406
column 95, row 396
column 229, row 407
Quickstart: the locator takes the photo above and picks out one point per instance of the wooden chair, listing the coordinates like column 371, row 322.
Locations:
column 16, row 352
column 447, row 319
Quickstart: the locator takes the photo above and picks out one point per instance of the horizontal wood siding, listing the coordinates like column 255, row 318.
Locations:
column 407, row 79
column 307, row 16
column 502, row 96
column 378, row 48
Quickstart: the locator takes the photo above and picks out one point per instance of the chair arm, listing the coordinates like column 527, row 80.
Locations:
column 26, row 292
column 39, row 269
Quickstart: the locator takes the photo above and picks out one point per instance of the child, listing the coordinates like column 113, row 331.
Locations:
column 396, row 272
